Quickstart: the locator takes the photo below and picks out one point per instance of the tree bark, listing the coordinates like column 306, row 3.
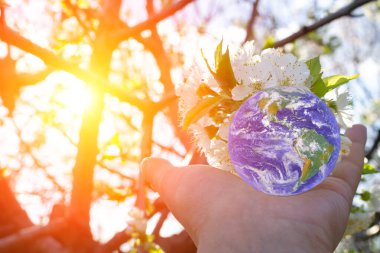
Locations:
column 83, row 171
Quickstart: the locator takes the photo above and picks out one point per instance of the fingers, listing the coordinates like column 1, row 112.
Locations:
column 180, row 189
column 154, row 170
column 193, row 193
column 350, row 167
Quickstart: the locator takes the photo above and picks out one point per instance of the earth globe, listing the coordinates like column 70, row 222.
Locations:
column 284, row 140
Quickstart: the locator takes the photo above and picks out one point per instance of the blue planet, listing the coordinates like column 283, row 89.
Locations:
column 284, row 140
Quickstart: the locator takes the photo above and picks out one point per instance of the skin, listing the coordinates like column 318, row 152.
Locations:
column 224, row 214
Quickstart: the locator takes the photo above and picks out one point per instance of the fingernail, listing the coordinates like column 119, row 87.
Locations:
column 143, row 164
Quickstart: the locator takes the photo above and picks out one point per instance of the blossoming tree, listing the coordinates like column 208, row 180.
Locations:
column 88, row 90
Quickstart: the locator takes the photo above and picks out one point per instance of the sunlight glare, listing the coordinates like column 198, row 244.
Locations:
column 73, row 93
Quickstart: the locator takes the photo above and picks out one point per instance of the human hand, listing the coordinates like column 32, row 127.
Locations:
column 224, row 214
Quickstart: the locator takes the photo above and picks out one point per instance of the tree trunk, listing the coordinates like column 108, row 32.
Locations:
column 83, row 171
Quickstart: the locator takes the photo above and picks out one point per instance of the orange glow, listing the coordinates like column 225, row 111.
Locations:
column 74, row 93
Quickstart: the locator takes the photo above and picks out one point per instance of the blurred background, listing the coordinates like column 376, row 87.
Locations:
column 87, row 91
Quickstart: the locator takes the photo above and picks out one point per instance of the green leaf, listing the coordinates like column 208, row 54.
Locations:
column 211, row 131
column 207, row 64
column 314, row 66
column 204, row 90
column 115, row 140
column 365, row 195
column 224, row 73
column 200, row 109
column 155, row 250
column 315, row 37
column 115, row 194
column 218, row 54
column 109, row 156
column 269, row 42
column 319, row 88
column 335, row 81
column 369, row 169
column 357, row 209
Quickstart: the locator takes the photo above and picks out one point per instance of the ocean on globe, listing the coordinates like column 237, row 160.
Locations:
column 284, row 141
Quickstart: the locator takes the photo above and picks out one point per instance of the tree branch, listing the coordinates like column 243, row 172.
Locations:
column 160, row 222
column 251, row 22
column 345, row 11
column 165, row 101
column 29, row 151
column 168, row 149
column 375, row 144
column 146, row 151
column 113, row 171
column 113, row 244
column 126, row 32
column 12, row 37
column 30, row 233
column 84, row 168
column 74, row 8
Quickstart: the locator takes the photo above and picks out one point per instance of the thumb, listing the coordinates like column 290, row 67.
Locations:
column 181, row 189
column 154, row 170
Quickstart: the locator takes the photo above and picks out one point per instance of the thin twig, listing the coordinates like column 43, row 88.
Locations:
column 146, row 150
column 74, row 9
column 170, row 149
column 251, row 22
column 160, row 222
column 113, row 171
column 113, row 244
column 345, row 11
column 36, row 161
column 127, row 32
column 374, row 146
column 165, row 101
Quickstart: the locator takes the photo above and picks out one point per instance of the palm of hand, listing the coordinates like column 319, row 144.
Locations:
column 218, row 208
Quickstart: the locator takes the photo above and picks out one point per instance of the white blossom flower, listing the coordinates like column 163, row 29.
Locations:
column 240, row 92
column 345, row 245
column 242, row 63
column 245, row 52
column 271, row 68
column 343, row 108
column 138, row 222
column 284, row 69
column 188, row 97
column 358, row 222
column 187, row 91
column 218, row 155
column 201, row 137
column 374, row 201
column 372, row 114
column 223, row 130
